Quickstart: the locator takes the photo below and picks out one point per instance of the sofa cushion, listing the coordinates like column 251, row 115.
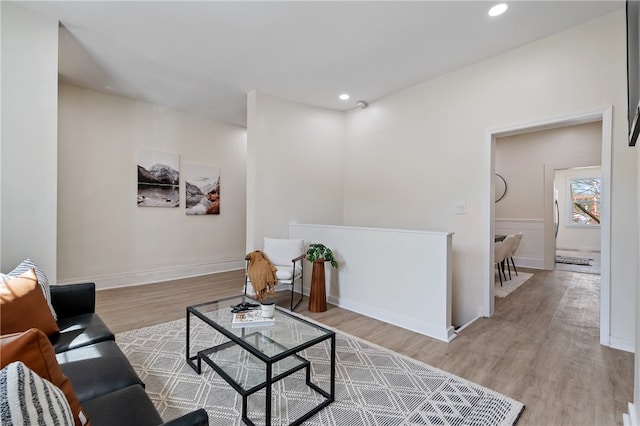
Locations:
column 28, row 399
column 23, row 306
column 129, row 406
column 80, row 330
column 70, row 300
column 97, row 369
column 283, row 273
column 33, row 348
column 43, row 281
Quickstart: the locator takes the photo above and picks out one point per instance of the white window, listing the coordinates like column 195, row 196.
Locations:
column 584, row 201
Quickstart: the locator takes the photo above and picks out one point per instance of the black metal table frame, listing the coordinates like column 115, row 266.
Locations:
column 203, row 355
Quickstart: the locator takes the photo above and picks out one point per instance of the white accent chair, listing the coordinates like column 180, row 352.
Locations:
column 287, row 256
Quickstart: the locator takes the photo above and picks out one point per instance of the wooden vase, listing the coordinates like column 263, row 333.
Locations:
column 318, row 294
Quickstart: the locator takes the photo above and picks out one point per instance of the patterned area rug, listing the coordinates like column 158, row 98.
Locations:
column 374, row 386
column 510, row 284
column 570, row 260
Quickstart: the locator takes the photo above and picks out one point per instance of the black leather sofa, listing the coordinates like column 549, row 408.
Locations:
column 108, row 388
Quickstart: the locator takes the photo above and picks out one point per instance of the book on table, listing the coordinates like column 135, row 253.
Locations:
column 250, row 318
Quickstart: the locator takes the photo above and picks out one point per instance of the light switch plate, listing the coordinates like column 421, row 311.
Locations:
column 460, row 208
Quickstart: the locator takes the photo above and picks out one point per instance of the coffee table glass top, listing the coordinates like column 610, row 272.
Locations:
column 286, row 333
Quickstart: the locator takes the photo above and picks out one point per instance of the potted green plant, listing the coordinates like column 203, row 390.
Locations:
column 321, row 252
column 318, row 254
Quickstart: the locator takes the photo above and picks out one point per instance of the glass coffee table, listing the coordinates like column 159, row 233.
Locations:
column 253, row 358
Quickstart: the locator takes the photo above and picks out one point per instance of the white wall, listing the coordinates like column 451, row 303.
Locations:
column 426, row 151
column 295, row 166
column 103, row 235
column 28, row 142
column 574, row 237
column 521, row 159
column 411, row 157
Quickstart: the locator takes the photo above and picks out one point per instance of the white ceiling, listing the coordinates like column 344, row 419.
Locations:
column 204, row 56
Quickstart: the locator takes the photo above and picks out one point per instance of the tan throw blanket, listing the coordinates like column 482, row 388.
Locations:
column 262, row 274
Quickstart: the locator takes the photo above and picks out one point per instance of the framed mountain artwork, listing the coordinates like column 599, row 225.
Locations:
column 202, row 188
column 158, row 179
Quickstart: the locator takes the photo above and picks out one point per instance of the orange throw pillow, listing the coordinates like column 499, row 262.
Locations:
column 23, row 306
column 33, row 348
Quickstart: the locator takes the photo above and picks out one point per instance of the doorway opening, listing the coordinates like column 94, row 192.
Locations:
column 547, row 237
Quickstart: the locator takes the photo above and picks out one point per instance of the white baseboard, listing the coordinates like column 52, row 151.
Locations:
column 147, row 277
column 459, row 329
column 627, row 345
column 529, row 262
column 630, row 418
column 596, row 249
column 445, row 334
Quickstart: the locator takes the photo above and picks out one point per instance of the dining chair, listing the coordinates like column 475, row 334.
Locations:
column 502, row 251
column 516, row 244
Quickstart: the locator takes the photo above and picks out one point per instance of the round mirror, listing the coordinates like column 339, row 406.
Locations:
column 501, row 187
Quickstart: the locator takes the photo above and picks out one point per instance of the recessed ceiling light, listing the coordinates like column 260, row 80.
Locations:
column 344, row 97
column 498, row 9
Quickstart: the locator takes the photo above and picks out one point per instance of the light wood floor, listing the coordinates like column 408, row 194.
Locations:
column 541, row 347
